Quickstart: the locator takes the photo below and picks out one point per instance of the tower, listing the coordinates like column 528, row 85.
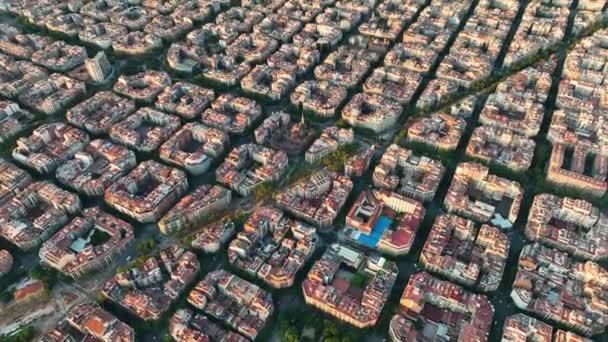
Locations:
column 99, row 68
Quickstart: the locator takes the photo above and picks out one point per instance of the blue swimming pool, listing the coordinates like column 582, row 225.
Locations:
column 371, row 240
